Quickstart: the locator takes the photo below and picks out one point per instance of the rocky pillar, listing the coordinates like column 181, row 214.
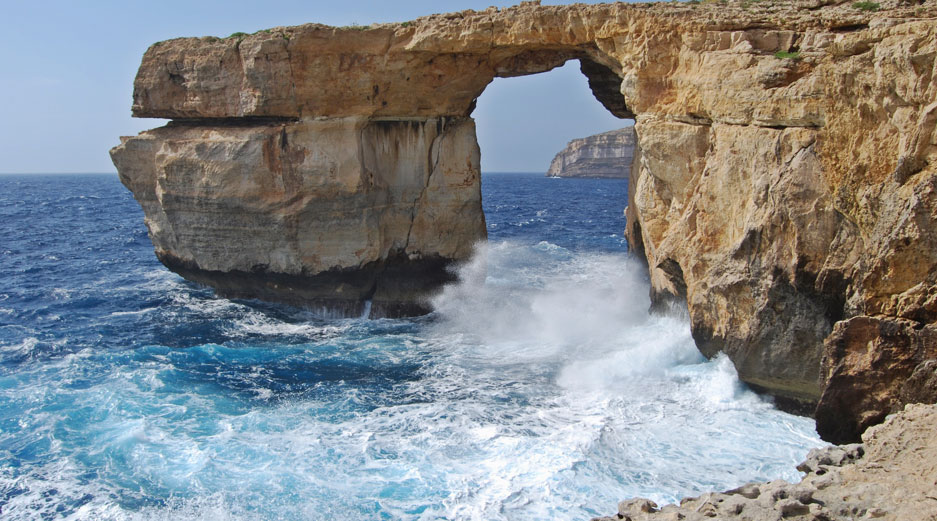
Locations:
column 328, row 213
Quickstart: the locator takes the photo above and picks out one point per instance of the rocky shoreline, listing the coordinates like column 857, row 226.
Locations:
column 891, row 475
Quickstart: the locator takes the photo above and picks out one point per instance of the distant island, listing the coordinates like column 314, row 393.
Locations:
column 603, row 155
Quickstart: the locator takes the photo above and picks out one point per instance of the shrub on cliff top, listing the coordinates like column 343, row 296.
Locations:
column 867, row 6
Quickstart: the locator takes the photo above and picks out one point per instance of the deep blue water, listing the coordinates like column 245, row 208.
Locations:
column 540, row 388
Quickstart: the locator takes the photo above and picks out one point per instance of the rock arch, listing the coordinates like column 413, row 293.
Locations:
column 783, row 184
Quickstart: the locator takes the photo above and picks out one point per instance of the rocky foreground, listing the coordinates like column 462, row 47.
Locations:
column 605, row 155
column 891, row 475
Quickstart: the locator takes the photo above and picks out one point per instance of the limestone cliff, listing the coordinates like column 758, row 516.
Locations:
column 608, row 154
column 323, row 213
column 784, row 181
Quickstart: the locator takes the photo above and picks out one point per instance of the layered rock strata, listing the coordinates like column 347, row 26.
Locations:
column 891, row 476
column 607, row 155
column 783, row 183
column 330, row 213
column 792, row 223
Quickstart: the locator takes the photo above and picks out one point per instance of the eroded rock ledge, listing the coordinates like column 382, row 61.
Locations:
column 784, row 182
column 891, row 476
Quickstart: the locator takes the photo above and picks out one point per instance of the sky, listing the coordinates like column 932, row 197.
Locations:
column 68, row 69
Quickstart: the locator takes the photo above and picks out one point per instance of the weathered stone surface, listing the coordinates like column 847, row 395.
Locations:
column 325, row 213
column 439, row 64
column 608, row 154
column 890, row 476
column 802, row 197
column 724, row 226
column 779, row 194
column 868, row 363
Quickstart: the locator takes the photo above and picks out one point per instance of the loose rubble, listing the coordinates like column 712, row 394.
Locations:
column 892, row 475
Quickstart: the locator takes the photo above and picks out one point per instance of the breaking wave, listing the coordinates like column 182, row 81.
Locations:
column 540, row 388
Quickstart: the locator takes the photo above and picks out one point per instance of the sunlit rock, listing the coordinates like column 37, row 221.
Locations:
column 783, row 183
column 608, row 154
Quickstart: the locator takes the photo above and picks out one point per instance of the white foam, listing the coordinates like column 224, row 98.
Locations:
column 257, row 323
column 540, row 389
column 25, row 347
column 60, row 294
column 538, row 300
column 133, row 313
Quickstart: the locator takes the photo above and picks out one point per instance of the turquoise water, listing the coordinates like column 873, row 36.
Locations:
column 540, row 388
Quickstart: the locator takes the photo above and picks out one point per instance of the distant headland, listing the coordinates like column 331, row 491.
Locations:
column 606, row 155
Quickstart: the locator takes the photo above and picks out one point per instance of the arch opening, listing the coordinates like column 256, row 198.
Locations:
column 550, row 119
column 603, row 74
column 547, row 100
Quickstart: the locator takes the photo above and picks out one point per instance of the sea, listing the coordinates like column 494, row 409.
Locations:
column 540, row 388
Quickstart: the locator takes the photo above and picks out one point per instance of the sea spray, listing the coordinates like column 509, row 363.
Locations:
column 540, row 388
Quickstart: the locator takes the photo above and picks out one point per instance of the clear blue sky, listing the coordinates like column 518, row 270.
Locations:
column 68, row 70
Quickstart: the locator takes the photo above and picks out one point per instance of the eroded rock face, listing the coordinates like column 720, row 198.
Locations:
column 787, row 197
column 890, row 476
column 608, row 154
column 815, row 204
column 864, row 359
column 324, row 213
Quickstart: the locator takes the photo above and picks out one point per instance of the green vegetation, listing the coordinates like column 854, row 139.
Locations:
column 784, row 55
column 238, row 35
column 405, row 24
column 211, row 39
column 867, row 6
column 264, row 31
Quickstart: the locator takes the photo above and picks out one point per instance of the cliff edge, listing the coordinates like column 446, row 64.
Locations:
column 784, row 180
column 607, row 155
